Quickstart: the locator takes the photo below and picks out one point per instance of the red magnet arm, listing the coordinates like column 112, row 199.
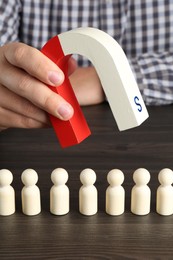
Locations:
column 76, row 129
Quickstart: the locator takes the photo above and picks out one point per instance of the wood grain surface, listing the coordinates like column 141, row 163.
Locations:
column 101, row 236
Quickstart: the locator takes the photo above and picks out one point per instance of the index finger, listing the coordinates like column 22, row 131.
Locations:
column 34, row 62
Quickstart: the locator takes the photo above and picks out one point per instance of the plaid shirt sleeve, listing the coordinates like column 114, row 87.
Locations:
column 154, row 75
column 143, row 28
column 9, row 21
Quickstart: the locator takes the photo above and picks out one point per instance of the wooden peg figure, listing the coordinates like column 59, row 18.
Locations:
column 7, row 194
column 88, row 204
column 164, row 195
column 59, row 193
column 31, row 202
column 141, row 193
column 115, row 194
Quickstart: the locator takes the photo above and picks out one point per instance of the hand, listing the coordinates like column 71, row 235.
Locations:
column 87, row 86
column 24, row 96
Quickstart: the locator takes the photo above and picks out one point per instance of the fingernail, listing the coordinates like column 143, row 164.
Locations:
column 55, row 77
column 65, row 111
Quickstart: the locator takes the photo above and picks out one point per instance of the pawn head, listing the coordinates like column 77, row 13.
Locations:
column 87, row 177
column 165, row 176
column 59, row 176
column 115, row 177
column 141, row 176
column 6, row 177
column 29, row 177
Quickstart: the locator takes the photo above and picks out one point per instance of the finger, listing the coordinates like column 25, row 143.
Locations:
column 13, row 102
column 11, row 119
column 33, row 62
column 35, row 91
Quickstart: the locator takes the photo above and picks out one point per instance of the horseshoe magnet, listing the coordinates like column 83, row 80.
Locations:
column 115, row 74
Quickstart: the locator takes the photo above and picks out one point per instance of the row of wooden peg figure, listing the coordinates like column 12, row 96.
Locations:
column 88, row 195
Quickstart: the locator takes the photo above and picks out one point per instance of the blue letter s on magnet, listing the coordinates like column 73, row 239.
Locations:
column 136, row 99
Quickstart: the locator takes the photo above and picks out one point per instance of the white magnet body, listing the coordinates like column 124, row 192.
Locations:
column 114, row 71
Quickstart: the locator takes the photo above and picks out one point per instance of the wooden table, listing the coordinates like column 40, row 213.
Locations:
column 101, row 236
